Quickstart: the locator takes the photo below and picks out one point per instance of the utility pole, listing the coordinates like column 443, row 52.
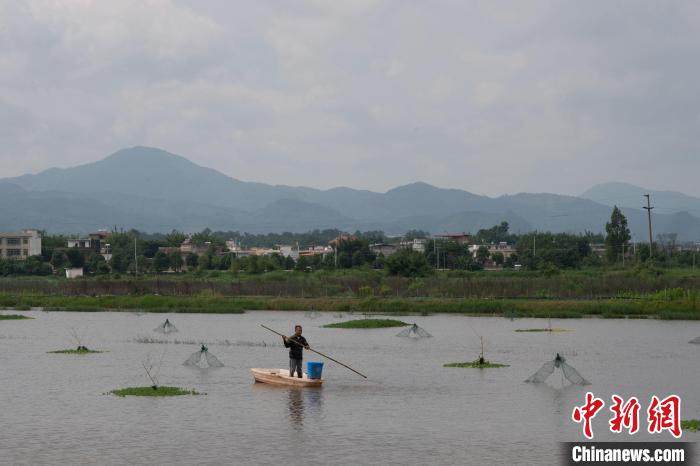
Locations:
column 534, row 245
column 136, row 261
column 623, row 255
column 435, row 253
column 648, row 208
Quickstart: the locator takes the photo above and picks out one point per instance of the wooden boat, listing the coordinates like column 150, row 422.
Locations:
column 281, row 377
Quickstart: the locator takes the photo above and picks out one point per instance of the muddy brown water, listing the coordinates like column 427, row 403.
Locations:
column 411, row 410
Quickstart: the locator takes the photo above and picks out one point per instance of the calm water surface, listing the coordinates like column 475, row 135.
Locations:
column 54, row 409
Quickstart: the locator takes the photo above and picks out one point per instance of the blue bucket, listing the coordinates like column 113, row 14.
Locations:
column 314, row 369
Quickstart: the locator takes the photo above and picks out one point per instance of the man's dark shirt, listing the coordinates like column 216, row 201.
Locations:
column 295, row 351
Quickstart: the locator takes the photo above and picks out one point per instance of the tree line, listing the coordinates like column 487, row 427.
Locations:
column 136, row 252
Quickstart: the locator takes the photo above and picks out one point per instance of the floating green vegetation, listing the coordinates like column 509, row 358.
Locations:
column 551, row 330
column 476, row 364
column 691, row 425
column 81, row 350
column 13, row 317
column 368, row 323
column 154, row 391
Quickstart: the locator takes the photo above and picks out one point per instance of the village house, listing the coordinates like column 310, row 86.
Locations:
column 332, row 243
column 417, row 244
column 316, row 251
column 20, row 245
column 94, row 242
column 460, row 238
column 74, row 272
column 239, row 252
column 188, row 247
column 232, row 245
column 263, row 251
column 289, row 251
column 384, row 249
column 504, row 248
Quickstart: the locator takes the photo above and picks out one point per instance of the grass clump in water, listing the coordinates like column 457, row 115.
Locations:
column 476, row 364
column 552, row 330
column 13, row 317
column 78, row 350
column 368, row 323
column 691, row 425
column 154, row 391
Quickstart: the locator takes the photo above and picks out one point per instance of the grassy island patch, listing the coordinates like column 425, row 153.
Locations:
column 476, row 365
column 367, row 323
column 13, row 317
column 691, row 425
column 154, row 391
column 551, row 330
column 75, row 351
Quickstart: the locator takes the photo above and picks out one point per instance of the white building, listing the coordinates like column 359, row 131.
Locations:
column 83, row 243
column 417, row 244
column 95, row 242
column 316, row 251
column 74, row 272
column 289, row 251
column 20, row 245
column 263, row 251
column 504, row 248
column 232, row 246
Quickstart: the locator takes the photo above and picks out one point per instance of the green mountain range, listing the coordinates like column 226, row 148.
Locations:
column 155, row 191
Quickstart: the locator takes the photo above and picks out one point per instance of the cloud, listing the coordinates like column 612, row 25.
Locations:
column 100, row 30
column 492, row 97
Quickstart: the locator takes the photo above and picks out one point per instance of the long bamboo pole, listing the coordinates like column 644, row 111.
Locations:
column 317, row 352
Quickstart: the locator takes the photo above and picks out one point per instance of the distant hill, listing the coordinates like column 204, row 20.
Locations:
column 627, row 195
column 151, row 173
column 155, row 191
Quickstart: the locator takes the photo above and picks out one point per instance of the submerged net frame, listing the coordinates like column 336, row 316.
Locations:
column 166, row 327
column 203, row 359
column 547, row 369
column 414, row 331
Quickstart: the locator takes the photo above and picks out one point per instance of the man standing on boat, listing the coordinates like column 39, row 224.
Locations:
column 296, row 344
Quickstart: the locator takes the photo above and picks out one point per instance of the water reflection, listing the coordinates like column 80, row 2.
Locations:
column 295, row 403
column 303, row 403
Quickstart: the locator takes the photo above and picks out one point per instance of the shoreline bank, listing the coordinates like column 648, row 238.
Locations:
column 662, row 309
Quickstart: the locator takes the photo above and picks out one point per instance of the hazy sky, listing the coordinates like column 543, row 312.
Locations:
column 492, row 97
